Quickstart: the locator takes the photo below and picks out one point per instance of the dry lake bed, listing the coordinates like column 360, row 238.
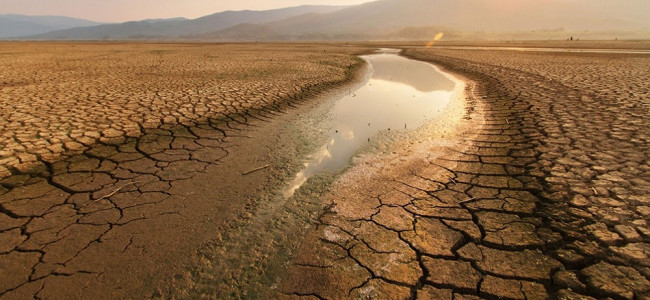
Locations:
column 325, row 171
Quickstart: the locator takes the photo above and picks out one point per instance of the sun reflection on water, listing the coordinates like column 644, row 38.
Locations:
column 395, row 97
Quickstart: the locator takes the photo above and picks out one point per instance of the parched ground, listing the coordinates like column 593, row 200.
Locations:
column 542, row 192
column 61, row 97
column 118, row 161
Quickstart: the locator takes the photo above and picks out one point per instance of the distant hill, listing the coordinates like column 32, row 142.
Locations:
column 174, row 28
column 475, row 19
column 395, row 20
column 20, row 25
column 164, row 20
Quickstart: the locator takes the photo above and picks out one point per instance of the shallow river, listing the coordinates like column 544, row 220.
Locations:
column 400, row 94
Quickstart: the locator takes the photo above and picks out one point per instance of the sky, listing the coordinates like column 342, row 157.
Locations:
column 131, row 10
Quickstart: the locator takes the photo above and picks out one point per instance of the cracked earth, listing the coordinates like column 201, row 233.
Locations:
column 535, row 186
column 541, row 193
column 119, row 161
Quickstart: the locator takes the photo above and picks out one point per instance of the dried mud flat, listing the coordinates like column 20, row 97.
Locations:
column 62, row 98
column 120, row 160
column 535, row 186
column 541, row 192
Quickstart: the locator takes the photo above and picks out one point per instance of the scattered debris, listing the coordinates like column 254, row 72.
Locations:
column 256, row 169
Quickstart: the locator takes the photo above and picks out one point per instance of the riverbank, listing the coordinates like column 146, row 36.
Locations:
column 547, row 199
column 366, row 245
column 249, row 262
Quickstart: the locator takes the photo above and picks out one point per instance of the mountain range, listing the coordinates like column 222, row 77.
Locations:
column 393, row 20
column 12, row 25
column 180, row 28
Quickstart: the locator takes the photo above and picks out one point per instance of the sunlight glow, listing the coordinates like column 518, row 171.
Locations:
column 435, row 39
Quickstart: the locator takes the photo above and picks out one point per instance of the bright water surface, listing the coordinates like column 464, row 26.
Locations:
column 400, row 94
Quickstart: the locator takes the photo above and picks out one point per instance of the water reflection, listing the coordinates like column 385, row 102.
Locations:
column 400, row 94
column 413, row 73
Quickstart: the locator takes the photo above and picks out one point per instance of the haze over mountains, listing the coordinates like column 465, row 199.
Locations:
column 395, row 20
column 183, row 28
column 18, row 25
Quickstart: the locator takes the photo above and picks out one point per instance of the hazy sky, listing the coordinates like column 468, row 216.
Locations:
column 129, row 10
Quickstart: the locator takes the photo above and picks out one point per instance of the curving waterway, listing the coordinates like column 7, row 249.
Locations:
column 400, row 94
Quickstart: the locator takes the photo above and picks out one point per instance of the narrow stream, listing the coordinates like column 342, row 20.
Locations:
column 401, row 94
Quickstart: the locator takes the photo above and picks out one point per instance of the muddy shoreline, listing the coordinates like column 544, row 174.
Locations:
column 260, row 253
column 333, row 260
column 252, row 252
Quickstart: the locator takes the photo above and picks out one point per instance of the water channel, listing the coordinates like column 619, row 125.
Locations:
column 400, row 94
